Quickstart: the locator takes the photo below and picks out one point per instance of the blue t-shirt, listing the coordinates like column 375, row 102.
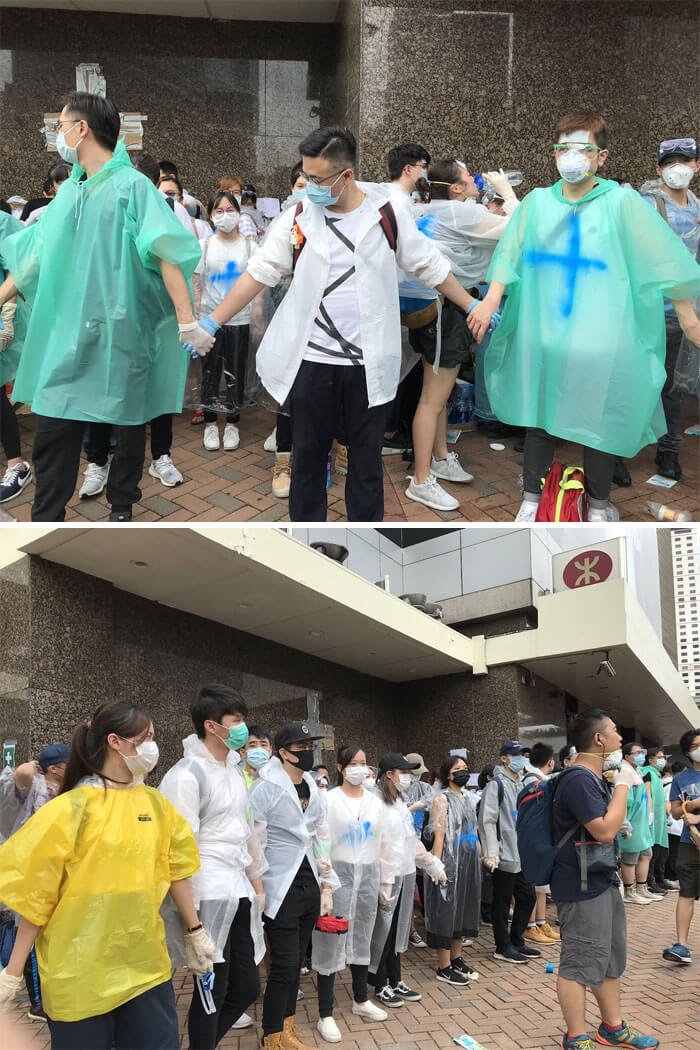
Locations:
column 683, row 221
column 684, row 786
column 581, row 796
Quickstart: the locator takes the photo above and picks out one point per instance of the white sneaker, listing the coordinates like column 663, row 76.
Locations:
column 431, row 494
column 165, row 470
column 632, row 897
column 329, row 1030
column 211, row 440
column 232, row 438
column 271, row 442
column 244, row 1021
column 601, row 514
column 450, row 469
column 370, row 1011
column 95, row 480
column 528, row 511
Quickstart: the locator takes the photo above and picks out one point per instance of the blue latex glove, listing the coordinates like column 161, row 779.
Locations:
column 210, row 325
column 2, row 326
column 191, row 350
column 495, row 321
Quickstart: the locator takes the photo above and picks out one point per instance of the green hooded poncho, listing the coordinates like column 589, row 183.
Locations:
column 102, row 342
column 580, row 350
column 9, row 359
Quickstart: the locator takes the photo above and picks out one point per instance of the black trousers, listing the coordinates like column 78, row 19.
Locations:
column 327, row 982
column 598, row 467
column 288, row 935
column 236, row 986
column 486, row 895
column 284, row 433
column 506, row 885
column 228, row 358
column 403, row 408
column 671, row 395
column 148, row 1022
column 674, row 842
column 389, row 969
column 97, row 446
column 323, row 398
column 9, row 427
column 657, row 868
column 57, row 445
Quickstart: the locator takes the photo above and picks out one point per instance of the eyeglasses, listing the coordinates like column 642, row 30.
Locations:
column 586, row 149
column 55, row 125
column 319, row 180
column 302, row 747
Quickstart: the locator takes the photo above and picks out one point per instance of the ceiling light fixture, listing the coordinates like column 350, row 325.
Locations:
column 606, row 667
column 244, row 605
column 316, row 634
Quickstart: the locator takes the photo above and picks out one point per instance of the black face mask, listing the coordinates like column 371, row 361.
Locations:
column 305, row 760
column 461, row 777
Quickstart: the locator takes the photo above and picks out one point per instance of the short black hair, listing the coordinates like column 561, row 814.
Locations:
column 442, row 174
column 447, row 766
column 101, row 116
column 540, row 754
column 171, row 178
column 4, row 206
column 335, row 144
column 321, row 765
column 59, row 172
column 564, row 753
column 488, row 771
column 216, row 200
column 627, row 748
column 296, row 171
column 250, row 194
column 687, row 739
column 147, row 165
column 678, row 767
column 215, row 701
column 261, row 732
column 169, row 166
column 653, row 750
column 585, row 725
column 400, row 156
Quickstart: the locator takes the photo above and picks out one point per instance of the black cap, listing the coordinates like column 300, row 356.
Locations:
column 396, row 761
column 293, row 733
column 685, row 148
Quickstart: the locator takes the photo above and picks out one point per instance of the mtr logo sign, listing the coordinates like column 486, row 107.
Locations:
column 584, row 569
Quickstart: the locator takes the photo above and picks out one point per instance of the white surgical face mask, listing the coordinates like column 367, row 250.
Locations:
column 68, row 153
column 677, row 176
column 660, row 764
column 694, row 756
column 144, row 760
column 573, row 166
column 405, row 781
column 227, row 222
column 355, row 775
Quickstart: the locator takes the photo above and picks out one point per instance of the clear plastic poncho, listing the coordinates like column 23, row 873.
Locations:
column 454, row 909
column 17, row 806
column 581, row 349
column 9, row 358
column 102, row 342
column 362, row 859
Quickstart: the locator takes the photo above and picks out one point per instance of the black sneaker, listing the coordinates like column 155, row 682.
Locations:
column 531, row 953
column 14, row 480
column 387, row 997
column 406, row 993
column 450, row 976
column 460, row 965
column 668, row 886
column 37, row 1012
column 395, row 445
column 668, row 465
column 655, row 888
column 120, row 515
column 512, row 955
column 621, row 475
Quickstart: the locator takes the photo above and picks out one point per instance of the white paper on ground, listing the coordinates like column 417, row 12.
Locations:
column 453, row 436
column 497, row 446
column 663, row 483
column 693, row 431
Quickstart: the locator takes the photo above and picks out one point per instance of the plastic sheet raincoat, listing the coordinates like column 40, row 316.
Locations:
column 287, row 833
column 16, row 805
column 581, row 349
column 361, row 854
column 212, row 796
column 91, row 868
column 453, row 910
column 9, row 358
column 102, row 342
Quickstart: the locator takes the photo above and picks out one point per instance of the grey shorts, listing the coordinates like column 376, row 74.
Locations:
column 593, row 938
column 633, row 858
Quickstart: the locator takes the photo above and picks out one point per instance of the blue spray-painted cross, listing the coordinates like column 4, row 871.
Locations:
column 572, row 261
column 227, row 277
column 426, row 225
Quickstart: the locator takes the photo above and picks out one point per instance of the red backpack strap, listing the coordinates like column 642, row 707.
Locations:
column 387, row 221
column 299, row 240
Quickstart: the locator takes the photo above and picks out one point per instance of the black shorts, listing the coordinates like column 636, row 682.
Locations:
column 688, row 870
column 456, row 338
column 436, row 940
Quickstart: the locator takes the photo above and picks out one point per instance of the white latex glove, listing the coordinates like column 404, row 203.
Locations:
column 326, row 900
column 436, row 872
column 626, row 829
column 200, row 339
column 323, row 866
column 500, row 183
column 199, row 952
column 260, row 897
column 490, row 862
column 9, row 988
column 627, row 775
column 6, row 336
column 422, row 803
column 385, row 898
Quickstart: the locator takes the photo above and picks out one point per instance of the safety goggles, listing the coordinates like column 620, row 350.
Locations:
column 585, row 148
column 685, row 147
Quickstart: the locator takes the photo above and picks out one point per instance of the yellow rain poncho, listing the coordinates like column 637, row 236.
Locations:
column 9, row 358
column 92, row 868
column 102, row 343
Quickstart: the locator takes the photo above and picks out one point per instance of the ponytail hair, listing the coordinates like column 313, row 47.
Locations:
column 388, row 790
column 89, row 748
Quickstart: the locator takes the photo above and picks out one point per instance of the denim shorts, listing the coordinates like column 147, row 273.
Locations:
column 633, row 858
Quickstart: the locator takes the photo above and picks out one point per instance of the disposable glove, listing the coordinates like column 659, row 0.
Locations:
column 210, row 325
column 198, row 336
column 436, row 871
column 422, row 803
column 500, row 184
column 626, row 829
column 627, row 775
column 385, row 898
column 324, row 867
column 260, row 897
column 326, row 900
column 191, row 351
column 199, row 952
column 7, row 326
column 9, row 988
column 491, row 863
column 495, row 316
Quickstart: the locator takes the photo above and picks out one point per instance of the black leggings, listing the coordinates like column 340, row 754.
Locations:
column 674, row 842
column 389, row 969
column 598, row 466
column 325, row 989
column 9, row 427
column 657, row 868
column 284, row 433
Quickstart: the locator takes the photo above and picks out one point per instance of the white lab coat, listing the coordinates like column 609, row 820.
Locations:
column 362, row 859
column 466, row 233
column 213, row 797
column 287, row 833
column 282, row 349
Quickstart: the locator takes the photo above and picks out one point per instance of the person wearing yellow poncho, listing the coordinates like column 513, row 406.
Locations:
column 580, row 351
column 105, row 271
column 87, row 874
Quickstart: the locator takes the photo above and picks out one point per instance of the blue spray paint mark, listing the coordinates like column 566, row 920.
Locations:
column 572, row 262
column 227, row 277
column 470, row 837
column 426, row 224
column 358, row 834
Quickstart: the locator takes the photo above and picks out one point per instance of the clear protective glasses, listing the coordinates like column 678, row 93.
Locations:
column 681, row 145
column 584, row 148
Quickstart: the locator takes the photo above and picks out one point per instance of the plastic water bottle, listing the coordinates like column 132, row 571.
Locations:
column 662, row 513
column 329, row 472
column 515, row 178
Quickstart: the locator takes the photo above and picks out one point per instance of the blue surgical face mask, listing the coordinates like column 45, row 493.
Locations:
column 299, row 195
column 640, row 759
column 256, row 757
column 517, row 763
column 67, row 153
column 660, row 764
column 323, row 195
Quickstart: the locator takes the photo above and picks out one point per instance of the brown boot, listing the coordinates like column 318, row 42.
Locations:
column 272, row 1042
column 282, row 474
column 340, row 457
column 290, row 1038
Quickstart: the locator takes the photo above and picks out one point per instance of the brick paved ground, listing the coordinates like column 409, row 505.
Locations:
column 509, row 1008
column 235, row 486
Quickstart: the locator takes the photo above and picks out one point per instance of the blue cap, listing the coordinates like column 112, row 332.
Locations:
column 512, row 747
column 53, row 755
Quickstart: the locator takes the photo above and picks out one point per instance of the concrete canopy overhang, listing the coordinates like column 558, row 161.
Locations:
column 575, row 630
column 268, row 584
column 237, row 10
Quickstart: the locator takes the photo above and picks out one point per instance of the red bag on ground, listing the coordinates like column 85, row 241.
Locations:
column 563, row 495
